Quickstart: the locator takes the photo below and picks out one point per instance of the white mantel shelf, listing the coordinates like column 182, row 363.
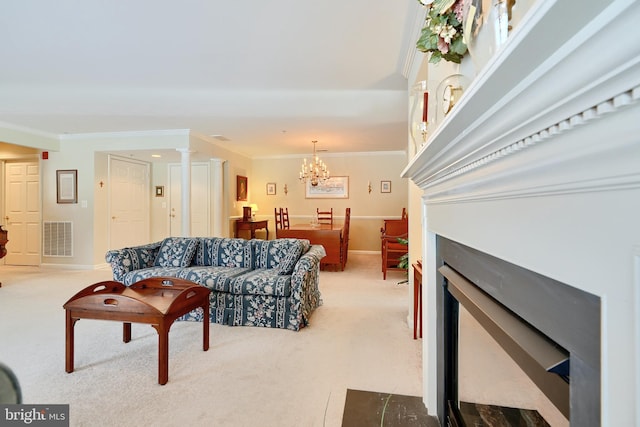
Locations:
column 570, row 62
column 539, row 164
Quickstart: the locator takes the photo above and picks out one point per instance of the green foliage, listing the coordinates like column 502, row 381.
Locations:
column 442, row 33
column 441, row 6
column 404, row 259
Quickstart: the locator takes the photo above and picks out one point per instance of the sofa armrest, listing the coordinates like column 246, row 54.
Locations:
column 134, row 258
column 305, row 280
column 310, row 260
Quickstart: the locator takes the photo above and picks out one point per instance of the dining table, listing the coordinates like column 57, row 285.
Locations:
column 328, row 235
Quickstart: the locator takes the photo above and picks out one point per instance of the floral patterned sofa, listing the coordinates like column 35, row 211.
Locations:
column 271, row 283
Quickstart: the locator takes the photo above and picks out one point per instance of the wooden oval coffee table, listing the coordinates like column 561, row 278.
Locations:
column 157, row 301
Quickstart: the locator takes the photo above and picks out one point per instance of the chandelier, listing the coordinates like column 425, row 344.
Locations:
column 315, row 171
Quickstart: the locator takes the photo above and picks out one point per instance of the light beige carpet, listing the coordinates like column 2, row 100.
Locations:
column 358, row 339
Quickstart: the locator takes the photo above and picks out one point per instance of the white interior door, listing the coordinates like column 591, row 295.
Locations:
column 22, row 218
column 200, row 184
column 129, row 192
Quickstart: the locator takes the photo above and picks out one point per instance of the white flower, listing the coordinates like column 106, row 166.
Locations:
column 447, row 33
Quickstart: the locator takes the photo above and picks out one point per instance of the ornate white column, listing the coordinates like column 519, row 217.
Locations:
column 186, row 191
column 217, row 196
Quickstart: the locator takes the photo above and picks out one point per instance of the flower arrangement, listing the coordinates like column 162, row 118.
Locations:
column 442, row 34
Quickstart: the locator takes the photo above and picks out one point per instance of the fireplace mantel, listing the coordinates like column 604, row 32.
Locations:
column 539, row 164
column 570, row 63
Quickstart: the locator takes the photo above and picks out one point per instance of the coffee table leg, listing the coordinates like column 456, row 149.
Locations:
column 163, row 354
column 205, row 326
column 69, row 324
column 126, row 332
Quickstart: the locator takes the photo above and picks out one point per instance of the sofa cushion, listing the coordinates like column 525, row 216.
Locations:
column 176, row 252
column 214, row 278
column 263, row 281
column 280, row 254
column 224, row 252
column 289, row 261
column 136, row 275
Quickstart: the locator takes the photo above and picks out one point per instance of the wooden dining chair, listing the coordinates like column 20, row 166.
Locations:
column 344, row 249
column 325, row 217
column 285, row 217
column 278, row 215
column 392, row 249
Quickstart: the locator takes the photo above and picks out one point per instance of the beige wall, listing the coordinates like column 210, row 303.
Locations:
column 80, row 157
column 90, row 214
column 367, row 209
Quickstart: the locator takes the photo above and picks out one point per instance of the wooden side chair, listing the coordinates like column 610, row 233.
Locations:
column 278, row 215
column 325, row 217
column 392, row 249
column 344, row 249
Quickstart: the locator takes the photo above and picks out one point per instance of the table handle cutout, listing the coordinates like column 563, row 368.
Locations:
column 110, row 301
column 167, row 283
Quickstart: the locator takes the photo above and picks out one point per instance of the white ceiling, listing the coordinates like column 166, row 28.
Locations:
column 270, row 76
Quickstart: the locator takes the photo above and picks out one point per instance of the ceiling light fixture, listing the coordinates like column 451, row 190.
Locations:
column 315, row 171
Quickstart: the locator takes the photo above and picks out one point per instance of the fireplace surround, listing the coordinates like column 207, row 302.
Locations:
column 538, row 166
column 550, row 329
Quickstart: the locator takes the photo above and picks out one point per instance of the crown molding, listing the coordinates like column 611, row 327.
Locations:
column 410, row 64
column 25, row 129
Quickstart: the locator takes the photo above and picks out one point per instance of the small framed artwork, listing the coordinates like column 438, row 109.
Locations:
column 67, row 186
column 271, row 188
column 385, row 186
column 159, row 190
column 241, row 188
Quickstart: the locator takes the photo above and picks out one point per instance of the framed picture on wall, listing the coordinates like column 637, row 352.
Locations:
column 271, row 188
column 241, row 188
column 336, row 187
column 67, row 186
column 385, row 186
